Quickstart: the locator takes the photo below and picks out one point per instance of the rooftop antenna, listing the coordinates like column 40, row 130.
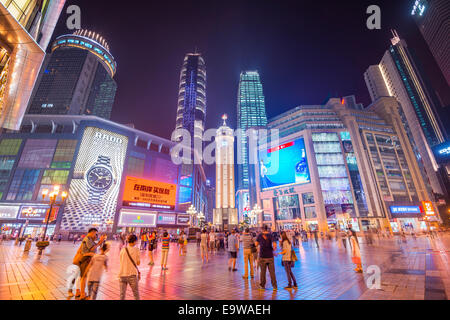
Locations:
column 224, row 118
column 396, row 39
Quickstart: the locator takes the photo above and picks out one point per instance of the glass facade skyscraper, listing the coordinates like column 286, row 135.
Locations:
column 251, row 113
column 76, row 78
column 398, row 76
column 191, row 111
column 27, row 27
column 432, row 18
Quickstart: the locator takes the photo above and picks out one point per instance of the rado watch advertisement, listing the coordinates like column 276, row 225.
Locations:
column 94, row 188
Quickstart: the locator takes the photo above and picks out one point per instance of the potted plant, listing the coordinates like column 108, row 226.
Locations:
column 41, row 245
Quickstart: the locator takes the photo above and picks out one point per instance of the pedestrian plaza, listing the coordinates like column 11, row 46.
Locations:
column 418, row 269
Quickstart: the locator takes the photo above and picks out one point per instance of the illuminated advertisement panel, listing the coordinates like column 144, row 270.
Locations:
column 284, row 164
column 183, row 219
column 405, row 211
column 37, row 213
column 9, row 212
column 94, row 188
column 136, row 218
column 164, row 219
column 428, row 208
column 151, row 194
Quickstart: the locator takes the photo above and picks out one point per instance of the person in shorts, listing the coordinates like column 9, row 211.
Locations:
column 152, row 243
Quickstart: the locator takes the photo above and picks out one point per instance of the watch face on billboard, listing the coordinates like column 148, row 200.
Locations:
column 94, row 188
column 284, row 164
column 151, row 194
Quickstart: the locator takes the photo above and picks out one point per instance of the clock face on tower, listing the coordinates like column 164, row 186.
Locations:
column 99, row 178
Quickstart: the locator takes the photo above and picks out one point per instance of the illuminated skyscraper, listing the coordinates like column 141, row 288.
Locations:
column 76, row 78
column 251, row 113
column 397, row 76
column 432, row 18
column 27, row 27
column 225, row 213
column 191, row 112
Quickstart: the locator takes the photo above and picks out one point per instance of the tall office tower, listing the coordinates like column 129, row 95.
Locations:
column 225, row 212
column 401, row 80
column 76, row 78
column 25, row 31
column 433, row 20
column 191, row 112
column 251, row 113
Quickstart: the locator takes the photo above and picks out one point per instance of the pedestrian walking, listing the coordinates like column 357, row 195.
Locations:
column 73, row 280
column 98, row 264
column 165, row 246
column 84, row 255
column 356, row 254
column 288, row 260
column 248, row 246
column 316, row 237
column 204, row 246
column 59, row 238
column 233, row 247
column 198, row 237
column 181, row 242
column 129, row 274
column 266, row 258
column 212, row 240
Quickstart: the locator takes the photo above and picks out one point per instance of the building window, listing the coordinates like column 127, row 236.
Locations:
column 55, row 177
column 310, row 213
column 37, row 153
column 308, row 198
column 6, row 165
column 287, row 207
column 64, row 154
column 23, row 184
column 10, row 147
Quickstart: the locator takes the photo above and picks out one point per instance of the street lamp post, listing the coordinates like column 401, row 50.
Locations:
column 53, row 196
column 192, row 212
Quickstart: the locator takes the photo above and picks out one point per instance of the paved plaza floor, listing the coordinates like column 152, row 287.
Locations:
column 418, row 269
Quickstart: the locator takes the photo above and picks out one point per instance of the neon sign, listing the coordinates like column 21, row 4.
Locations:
column 419, row 8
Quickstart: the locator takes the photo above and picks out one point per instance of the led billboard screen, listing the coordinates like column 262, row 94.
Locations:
column 284, row 164
column 94, row 188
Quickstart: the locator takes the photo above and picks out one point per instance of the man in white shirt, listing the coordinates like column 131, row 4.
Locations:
column 128, row 271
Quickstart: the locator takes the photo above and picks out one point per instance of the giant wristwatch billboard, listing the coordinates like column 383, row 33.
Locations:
column 94, row 188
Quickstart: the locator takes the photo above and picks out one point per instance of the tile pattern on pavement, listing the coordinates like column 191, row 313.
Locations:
column 418, row 269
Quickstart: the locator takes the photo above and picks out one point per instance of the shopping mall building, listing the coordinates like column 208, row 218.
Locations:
column 116, row 177
column 339, row 164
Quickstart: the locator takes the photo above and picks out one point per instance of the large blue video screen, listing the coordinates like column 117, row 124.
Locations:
column 284, row 164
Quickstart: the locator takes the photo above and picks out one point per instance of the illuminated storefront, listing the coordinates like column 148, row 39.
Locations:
column 116, row 177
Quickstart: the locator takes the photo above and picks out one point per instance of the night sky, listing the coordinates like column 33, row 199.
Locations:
column 305, row 51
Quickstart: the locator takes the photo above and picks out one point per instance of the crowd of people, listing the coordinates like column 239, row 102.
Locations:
column 259, row 252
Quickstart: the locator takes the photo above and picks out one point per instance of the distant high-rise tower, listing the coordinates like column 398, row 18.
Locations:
column 76, row 78
column 225, row 213
column 191, row 112
column 251, row 113
column 433, row 20
column 26, row 28
column 397, row 76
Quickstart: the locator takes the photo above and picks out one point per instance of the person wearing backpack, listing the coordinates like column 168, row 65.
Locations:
column 128, row 271
column 288, row 261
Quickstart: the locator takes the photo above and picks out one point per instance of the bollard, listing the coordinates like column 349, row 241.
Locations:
column 27, row 245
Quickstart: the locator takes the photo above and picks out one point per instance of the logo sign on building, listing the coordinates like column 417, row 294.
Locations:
column 137, row 218
column 405, row 212
column 183, row 219
column 37, row 213
column 442, row 153
column 9, row 212
column 428, row 208
column 151, row 194
column 164, row 219
column 95, row 185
